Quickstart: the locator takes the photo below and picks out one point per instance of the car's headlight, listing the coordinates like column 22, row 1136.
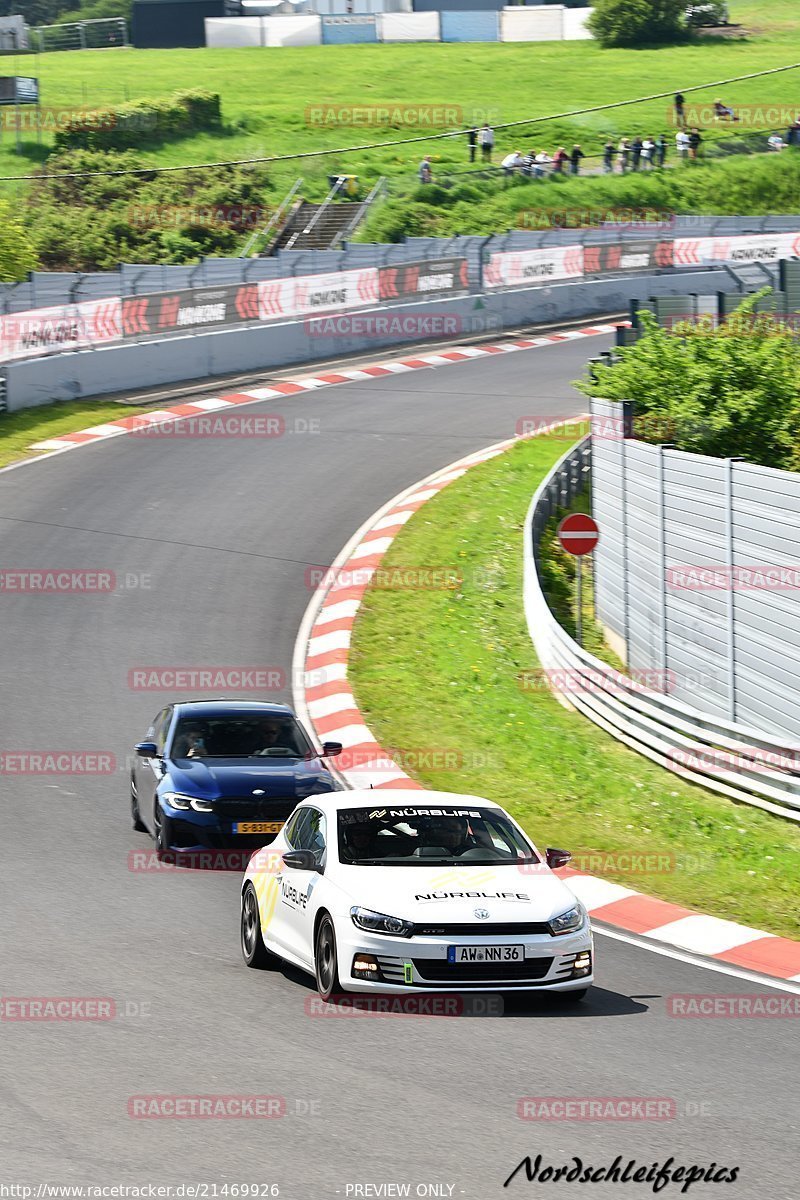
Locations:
column 377, row 922
column 178, row 800
column 569, row 921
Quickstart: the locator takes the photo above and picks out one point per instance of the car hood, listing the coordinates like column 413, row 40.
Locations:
column 452, row 894
column 222, row 777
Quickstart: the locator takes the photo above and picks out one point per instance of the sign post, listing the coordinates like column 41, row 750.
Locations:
column 578, row 534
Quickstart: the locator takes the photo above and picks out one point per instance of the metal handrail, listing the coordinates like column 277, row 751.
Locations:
column 361, row 212
column 684, row 739
column 328, row 200
column 276, row 216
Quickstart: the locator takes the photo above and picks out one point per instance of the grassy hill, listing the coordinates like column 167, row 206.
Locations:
column 267, row 94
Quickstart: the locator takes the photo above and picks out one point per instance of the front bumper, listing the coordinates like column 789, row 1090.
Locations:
column 421, row 963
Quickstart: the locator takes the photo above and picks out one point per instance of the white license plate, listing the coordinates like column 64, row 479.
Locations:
column 485, row 954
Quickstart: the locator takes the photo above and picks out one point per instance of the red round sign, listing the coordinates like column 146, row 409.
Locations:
column 578, row 534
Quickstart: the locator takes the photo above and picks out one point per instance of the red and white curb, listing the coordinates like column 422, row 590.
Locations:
column 309, row 383
column 327, row 704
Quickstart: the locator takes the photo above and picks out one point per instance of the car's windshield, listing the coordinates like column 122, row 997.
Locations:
column 424, row 837
column 240, row 735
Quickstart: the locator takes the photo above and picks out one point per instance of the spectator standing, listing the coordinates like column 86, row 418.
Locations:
column 636, row 152
column 695, row 142
column 425, row 172
column 648, row 151
column 575, row 159
column 661, row 150
column 486, row 142
column 472, row 139
column 682, row 144
column 560, row 158
column 608, row 158
column 680, row 116
column 624, row 155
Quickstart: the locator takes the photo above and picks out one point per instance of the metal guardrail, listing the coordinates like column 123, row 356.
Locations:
column 344, row 234
column 274, row 220
column 734, row 760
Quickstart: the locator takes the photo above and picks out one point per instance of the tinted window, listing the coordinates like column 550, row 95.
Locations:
column 425, row 837
column 240, row 735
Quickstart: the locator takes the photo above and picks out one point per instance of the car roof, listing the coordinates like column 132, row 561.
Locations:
column 399, row 798
column 207, row 708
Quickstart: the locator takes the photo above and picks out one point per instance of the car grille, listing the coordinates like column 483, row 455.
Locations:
column 447, row 972
column 478, row 929
column 254, row 808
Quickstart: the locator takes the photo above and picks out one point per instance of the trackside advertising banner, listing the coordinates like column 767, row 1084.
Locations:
column 626, row 256
column 190, row 308
column 96, row 323
column 749, row 248
column 69, row 327
column 432, row 277
column 515, row 268
column 306, row 294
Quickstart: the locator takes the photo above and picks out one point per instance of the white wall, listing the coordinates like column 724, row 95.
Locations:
column 408, row 27
column 531, row 24
column 575, row 24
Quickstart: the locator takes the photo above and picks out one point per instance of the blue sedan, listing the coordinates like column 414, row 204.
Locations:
column 220, row 773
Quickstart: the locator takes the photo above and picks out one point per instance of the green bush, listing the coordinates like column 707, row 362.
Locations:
column 17, row 253
column 94, row 223
column 140, row 122
column 638, row 22
column 725, row 391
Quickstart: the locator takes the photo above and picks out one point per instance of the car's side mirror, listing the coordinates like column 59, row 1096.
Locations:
column 147, row 750
column 557, row 858
column 331, row 749
column 301, row 860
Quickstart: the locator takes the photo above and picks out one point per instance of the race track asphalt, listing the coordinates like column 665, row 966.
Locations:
column 217, row 537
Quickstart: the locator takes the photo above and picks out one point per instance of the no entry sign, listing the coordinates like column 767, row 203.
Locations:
column 578, row 534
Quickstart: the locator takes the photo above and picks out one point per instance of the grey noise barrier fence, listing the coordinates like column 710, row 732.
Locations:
column 734, row 758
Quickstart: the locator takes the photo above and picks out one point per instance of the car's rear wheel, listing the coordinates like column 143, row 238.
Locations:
column 326, row 962
column 254, row 952
column 136, row 818
column 162, row 830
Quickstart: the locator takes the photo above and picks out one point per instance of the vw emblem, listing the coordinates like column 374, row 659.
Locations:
column 482, row 914
column 258, row 792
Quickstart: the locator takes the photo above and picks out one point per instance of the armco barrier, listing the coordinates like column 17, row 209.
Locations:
column 729, row 758
column 204, row 354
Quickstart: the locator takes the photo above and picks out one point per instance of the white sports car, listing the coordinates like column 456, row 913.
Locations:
column 406, row 891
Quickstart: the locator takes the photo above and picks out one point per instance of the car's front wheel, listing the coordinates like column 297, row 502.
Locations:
column 136, row 816
column 254, row 952
column 326, row 961
column 162, row 830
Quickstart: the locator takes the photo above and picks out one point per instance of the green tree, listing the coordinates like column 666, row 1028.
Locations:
column 638, row 22
column 724, row 391
column 17, row 255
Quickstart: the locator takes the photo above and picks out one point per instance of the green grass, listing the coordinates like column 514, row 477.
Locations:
column 18, row 430
column 265, row 93
column 440, row 669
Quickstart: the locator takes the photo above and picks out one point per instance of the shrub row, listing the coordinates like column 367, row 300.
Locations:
column 129, row 125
